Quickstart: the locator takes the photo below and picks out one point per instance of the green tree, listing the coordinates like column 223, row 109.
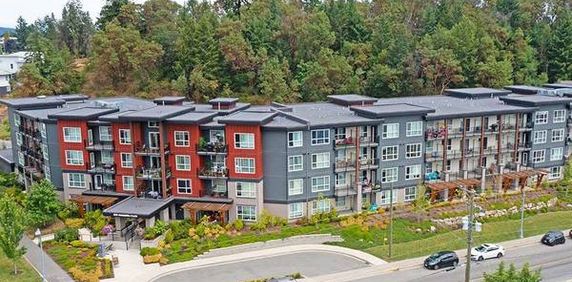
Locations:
column 109, row 12
column 12, row 227
column 502, row 274
column 23, row 30
column 274, row 82
column 42, row 204
column 76, row 28
column 560, row 49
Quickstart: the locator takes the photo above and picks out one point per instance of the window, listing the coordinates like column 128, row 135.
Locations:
column 106, row 157
column 21, row 159
column 246, row 190
column 541, row 117
column 295, row 163
column 340, row 179
column 295, row 187
column 76, row 180
column 74, row 157
column 410, row 193
column 321, row 206
column 320, row 183
column 153, row 124
column 414, row 128
column 557, row 135
column 17, row 120
column 183, row 162
column 126, row 160
column 295, row 139
column 555, row 172
column 539, row 137
column 389, row 153
column 389, row 175
column 246, row 213
column 320, row 160
column 184, row 186
column 413, row 151
column 320, row 136
column 125, row 136
column 105, row 133
column 386, row 197
column 390, row 130
column 45, row 152
column 559, row 116
column 295, row 210
column 341, row 202
column 72, row 134
column 47, row 173
column 43, row 131
column 19, row 139
column 538, row 156
column 413, row 172
column 556, row 154
column 182, row 139
column 244, row 140
column 244, row 165
column 128, row 184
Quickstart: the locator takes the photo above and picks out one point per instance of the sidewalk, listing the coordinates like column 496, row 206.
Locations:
column 54, row 273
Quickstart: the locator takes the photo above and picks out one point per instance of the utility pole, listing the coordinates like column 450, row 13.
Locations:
column 522, row 214
column 390, row 218
column 471, row 195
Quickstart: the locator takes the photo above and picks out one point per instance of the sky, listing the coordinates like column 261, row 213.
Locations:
column 31, row 10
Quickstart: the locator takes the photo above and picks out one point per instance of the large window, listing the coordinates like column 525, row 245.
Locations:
column 390, row 130
column 181, row 138
column 244, row 140
column 559, row 116
column 538, row 156
column 125, row 136
column 246, row 190
column 320, row 183
column 183, row 162
column 295, row 187
column 246, row 213
column 555, row 172
column 106, row 157
column 126, row 160
column 321, row 206
column 413, row 172
column 72, row 134
column 76, row 180
column 295, row 163
column 539, row 137
column 389, row 175
column 295, row 210
column 386, row 197
column 389, row 153
column 244, row 165
column 556, row 154
column 184, row 186
column 341, row 179
column 410, row 193
column 320, row 136
column 295, row 139
column 321, row 160
column 413, row 151
column 105, row 133
column 558, row 135
column 541, row 117
column 128, row 184
column 74, row 157
column 414, row 128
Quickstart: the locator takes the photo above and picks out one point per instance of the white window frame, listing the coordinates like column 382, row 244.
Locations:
column 324, row 139
column 538, row 156
column 410, row 193
column 390, row 131
column 131, row 186
column 76, row 183
column 187, row 189
column 386, row 197
column 72, row 138
column 246, row 190
column 153, row 124
column 105, row 133
column 240, row 167
column 296, row 212
column 250, row 217
column 185, row 142
column 555, row 172
column 560, row 135
column 321, row 160
column 295, row 187
column 414, row 128
column 43, row 130
column 413, row 172
column 124, row 136
column 539, row 137
column 321, row 187
column 295, row 163
column 108, row 159
column 341, row 179
column 127, row 162
column 541, row 117
column 321, row 206
column 394, row 177
column 409, row 154
column 559, row 116
column 183, row 166
column 245, row 141
column 74, row 157
column 556, row 154
column 295, row 139
column 390, row 153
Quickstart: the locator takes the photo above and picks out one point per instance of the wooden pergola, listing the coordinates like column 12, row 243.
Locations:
column 194, row 207
column 98, row 200
column 451, row 187
column 522, row 177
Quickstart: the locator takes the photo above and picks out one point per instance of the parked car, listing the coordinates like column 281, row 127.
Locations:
column 552, row 238
column 441, row 259
column 487, row 251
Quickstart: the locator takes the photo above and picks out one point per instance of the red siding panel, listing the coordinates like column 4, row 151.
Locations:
column 73, row 146
column 256, row 153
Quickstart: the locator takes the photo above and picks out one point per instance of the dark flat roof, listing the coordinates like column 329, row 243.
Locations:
column 169, row 99
column 535, row 100
column 192, row 117
column 391, row 110
column 157, row 113
column 563, row 84
column 32, row 102
column 524, row 89
column 82, row 113
column 141, row 207
column 476, row 92
column 245, row 117
column 351, row 99
column 41, row 114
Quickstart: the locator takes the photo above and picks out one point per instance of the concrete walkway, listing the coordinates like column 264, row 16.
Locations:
column 54, row 273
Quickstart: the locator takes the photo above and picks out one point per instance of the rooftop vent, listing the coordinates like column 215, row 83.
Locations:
column 223, row 103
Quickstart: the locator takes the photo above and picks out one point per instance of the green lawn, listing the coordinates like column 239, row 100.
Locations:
column 492, row 232
column 26, row 272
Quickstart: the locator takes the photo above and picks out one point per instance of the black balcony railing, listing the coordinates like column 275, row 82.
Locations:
column 210, row 172
column 102, row 168
column 212, row 147
column 148, row 151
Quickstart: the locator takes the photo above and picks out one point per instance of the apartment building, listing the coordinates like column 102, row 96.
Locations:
column 168, row 158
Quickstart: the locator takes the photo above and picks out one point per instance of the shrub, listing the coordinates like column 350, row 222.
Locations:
column 74, row 222
column 155, row 231
column 238, row 225
column 95, row 221
column 82, row 276
column 78, row 244
column 180, row 229
column 66, row 235
column 107, row 268
column 149, row 251
column 152, row 258
column 42, row 204
column 169, row 237
column 69, row 210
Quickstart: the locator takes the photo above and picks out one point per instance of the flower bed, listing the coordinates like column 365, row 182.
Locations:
column 80, row 260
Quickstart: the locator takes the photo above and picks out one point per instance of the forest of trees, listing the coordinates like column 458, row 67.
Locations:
column 289, row 51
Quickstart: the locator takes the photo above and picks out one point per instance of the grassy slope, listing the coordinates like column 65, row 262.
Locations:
column 27, row 273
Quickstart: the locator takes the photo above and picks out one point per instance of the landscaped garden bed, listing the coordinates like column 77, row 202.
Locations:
column 80, row 260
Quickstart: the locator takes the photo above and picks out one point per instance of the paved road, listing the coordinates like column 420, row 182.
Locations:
column 311, row 263
column 555, row 262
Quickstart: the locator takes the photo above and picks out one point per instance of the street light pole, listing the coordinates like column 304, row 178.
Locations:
column 522, row 214
column 471, row 195
column 39, row 235
column 390, row 218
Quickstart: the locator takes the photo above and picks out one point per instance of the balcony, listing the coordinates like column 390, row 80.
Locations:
column 30, row 131
column 345, row 165
column 36, row 173
column 368, row 187
column 344, row 142
column 344, row 190
column 152, row 173
column 102, row 168
column 369, row 163
column 212, row 148
column 435, row 133
column 369, row 140
column 100, row 146
column 104, row 188
column 526, row 127
column 434, row 156
column 144, row 150
column 213, row 173
column 217, row 191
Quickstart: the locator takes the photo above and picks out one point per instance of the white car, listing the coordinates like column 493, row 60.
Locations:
column 487, row 251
